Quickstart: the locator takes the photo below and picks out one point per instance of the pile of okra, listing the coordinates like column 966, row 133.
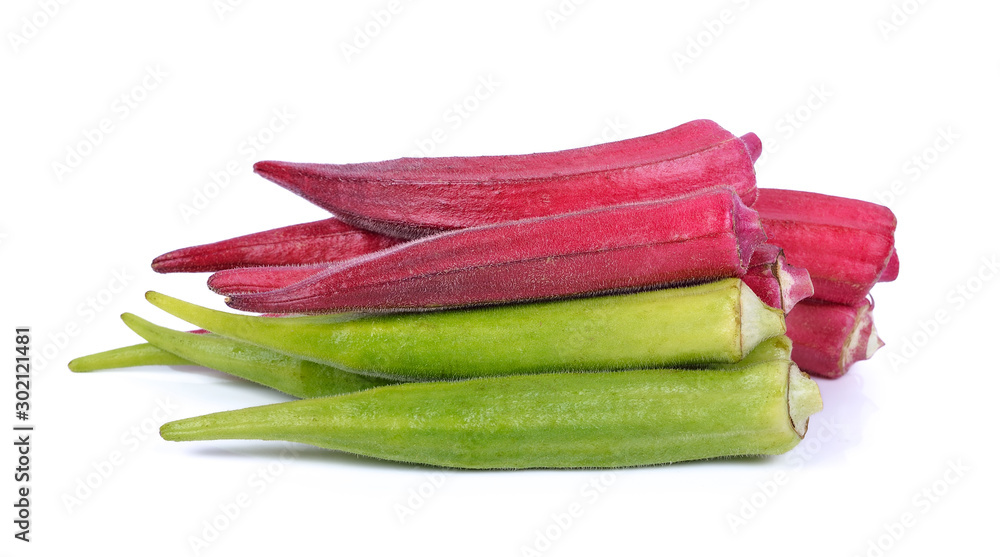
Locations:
column 631, row 303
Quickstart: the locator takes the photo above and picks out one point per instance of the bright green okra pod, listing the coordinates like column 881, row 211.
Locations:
column 294, row 376
column 555, row 420
column 717, row 322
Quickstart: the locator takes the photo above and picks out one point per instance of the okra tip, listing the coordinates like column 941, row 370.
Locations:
column 85, row 363
column 136, row 355
column 220, row 425
column 170, row 304
column 182, row 430
column 136, row 323
column 272, row 170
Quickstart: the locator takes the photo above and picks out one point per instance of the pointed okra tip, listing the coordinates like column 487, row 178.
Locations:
column 82, row 364
column 221, row 425
column 274, row 171
column 174, row 431
column 171, row 305
column 178, row 430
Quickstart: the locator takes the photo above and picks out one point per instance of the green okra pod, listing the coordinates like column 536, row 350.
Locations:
column 717, row 322
column 554, row 420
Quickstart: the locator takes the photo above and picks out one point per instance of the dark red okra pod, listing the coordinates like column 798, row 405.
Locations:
column 697, row 237
column 312, row 242
column 414, row 197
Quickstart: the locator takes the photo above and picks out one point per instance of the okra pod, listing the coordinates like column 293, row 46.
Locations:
column 300, row 244
column 846, row 244
column 703, row 236
column 555, row 420
column 719, row 322
column 413, row 197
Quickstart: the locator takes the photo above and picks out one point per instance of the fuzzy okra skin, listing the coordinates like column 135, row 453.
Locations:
column 846, row 244
column 414, row 197
column 556, row 420
column 300, row 244
column 719, row 322
column 703, row 236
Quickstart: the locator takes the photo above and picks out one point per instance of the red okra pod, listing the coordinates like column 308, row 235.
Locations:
column 699, row 237
column 846, row 244
column 771, row 278
column 312, row 242
column 414, row 197
column 828, row 338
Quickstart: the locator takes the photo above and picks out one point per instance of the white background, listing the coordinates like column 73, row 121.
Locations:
column 846, row 103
